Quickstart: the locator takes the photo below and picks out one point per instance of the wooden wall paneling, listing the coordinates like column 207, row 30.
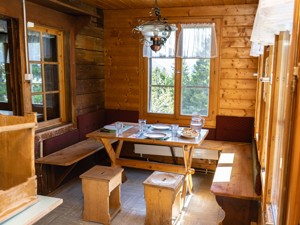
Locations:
column 236, row 66
column 238, row 74
column 267, row 124
column 91, row 99
column 89, row 55
column 280, row 127
column 89, row 72
column 237, row 112
column 293, row 197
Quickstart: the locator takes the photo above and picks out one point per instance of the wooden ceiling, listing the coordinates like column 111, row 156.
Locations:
column 87, row 7
column 141, row 4
column 83, row 6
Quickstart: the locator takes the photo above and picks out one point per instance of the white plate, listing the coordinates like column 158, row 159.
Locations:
column 155, row 135
column 110, row 127
column 161, row 127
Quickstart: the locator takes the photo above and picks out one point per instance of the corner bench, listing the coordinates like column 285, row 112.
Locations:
column 67, row 149
column 234, row 186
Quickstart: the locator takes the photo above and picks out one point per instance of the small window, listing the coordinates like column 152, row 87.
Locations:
column 46, row 66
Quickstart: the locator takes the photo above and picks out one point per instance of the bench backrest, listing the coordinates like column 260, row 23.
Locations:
column 60, row 141
column 89, row 122
column 233, row 128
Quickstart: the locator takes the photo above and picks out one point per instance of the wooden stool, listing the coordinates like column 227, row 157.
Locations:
column 101, row 191
column 163, row 198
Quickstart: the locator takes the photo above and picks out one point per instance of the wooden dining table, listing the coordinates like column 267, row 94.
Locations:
column 131, row 134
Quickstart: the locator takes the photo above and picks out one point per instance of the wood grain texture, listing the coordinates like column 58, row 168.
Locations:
column 136, row 4
column 72, row 154
column 18, row 181
column 240, row 184
column 122, row 54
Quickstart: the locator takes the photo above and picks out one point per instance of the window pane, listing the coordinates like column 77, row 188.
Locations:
column 194, row 100
column 3, row 90
column 195, row 86
column 162, row 100
column 37, row 81
column 34, row 46
column 50, row 47
column 162, row 71
column 52, row 106
column 37, row 100
column 51, row 77
column 161, row 88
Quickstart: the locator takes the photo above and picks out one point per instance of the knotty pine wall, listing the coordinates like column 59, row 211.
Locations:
column 89, row 66
column 237, row 85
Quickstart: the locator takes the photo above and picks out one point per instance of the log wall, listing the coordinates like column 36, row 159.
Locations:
column 237, row 85
column 89, row 67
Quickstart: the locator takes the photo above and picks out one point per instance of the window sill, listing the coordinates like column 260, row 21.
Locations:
column 51, row 131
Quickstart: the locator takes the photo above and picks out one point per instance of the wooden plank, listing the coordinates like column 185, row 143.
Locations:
column 238, row 94
column 89, row 72
column 72, row 154
column 212, row 145
column 89, row 43
column 151, row 166
column 233, row 42
column 234, row 52
column 239, row 63
column 16, row 198
column 237, row 112
column 246, row 20
column 237, row 104
column 238, row 73
column 88, row 100
column 17, row 127
column 92, row 31
column 35, row 212
column 89, row 57
column 240, row 183
column 238, row 84
column 89, row 86
column 236, row 31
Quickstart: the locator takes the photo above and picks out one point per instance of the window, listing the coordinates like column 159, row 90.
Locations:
column 180, row 84
column 4, row 59
column 46, row 66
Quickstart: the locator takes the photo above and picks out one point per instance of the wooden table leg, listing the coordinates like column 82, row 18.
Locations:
column 110, row 150
column 188, row 152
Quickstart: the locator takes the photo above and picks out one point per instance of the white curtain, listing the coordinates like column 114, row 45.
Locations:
column 272, row 16
column 197, row 41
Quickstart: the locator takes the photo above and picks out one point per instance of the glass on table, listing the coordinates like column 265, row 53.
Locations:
column 174, row 129
column 142, row 125
column 119, row 128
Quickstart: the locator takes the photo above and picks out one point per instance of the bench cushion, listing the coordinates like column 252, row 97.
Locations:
column 89, row 122
column 233, row 128
column 113, row 115
column 60, row 141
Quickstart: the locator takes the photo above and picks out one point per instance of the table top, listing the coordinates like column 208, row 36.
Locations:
column 131, row 134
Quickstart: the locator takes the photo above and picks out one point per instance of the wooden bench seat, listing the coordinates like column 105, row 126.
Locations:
column 233, row 184
column 212, row 145
column 72, row 154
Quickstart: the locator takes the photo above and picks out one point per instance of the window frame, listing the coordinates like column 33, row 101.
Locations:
column 210, row 120
column 61, row 75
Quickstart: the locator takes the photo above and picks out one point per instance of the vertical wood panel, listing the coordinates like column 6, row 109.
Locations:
column 237, row 67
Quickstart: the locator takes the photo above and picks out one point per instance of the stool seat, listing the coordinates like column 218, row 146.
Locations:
column 163, row 198
column 101, row 191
